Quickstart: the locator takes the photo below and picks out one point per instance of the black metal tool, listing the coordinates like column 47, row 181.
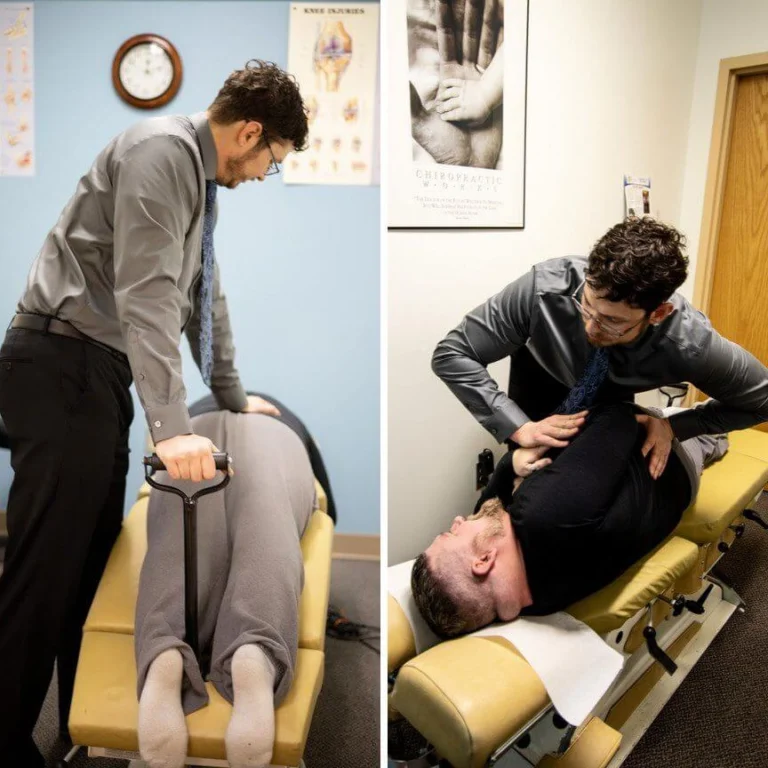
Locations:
column 649, row 633
column 153, row 464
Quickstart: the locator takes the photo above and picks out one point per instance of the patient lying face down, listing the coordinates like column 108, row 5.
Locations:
column 569, row 529
column 250, row 574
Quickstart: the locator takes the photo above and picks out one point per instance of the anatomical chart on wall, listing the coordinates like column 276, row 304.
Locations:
column 457, row 112
column 333, row 53
column 17, row 94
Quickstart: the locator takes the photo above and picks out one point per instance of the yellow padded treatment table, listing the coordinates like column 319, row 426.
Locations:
column 476, row 700
column 104, row 712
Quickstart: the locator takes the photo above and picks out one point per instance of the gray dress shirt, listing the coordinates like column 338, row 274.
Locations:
column 123, row 263
column 537, row 311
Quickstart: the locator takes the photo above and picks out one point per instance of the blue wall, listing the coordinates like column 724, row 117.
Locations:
column 300, row 265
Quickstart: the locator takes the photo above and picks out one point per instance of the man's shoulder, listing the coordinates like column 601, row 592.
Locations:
column 561, row 275
column 161, row 133
column 687, row 333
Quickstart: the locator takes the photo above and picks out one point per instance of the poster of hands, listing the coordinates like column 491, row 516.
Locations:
column 16, row 90
column 457, row 113
column 333, row 53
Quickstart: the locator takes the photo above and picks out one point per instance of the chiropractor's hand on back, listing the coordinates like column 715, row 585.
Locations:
column 260, row 405
column 188, row 457
column 554, row 431
column 658, row 443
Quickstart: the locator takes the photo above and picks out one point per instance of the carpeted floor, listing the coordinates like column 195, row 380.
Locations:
column 345, row 728
column 718, row 718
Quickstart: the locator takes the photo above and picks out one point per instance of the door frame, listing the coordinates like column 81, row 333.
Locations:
column 730, row 72
column 714, row 191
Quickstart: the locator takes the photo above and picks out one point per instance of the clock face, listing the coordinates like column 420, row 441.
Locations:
column 146, row 71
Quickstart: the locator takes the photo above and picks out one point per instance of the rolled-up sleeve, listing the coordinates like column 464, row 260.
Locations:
column 225, row 380
column 155, row 190
column 488, row 333
column 735, row 379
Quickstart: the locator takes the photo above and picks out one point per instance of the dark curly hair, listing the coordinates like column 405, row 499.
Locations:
column 263, row 92
column 640, row 261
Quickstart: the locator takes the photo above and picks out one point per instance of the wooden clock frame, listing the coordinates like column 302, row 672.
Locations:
column 172, row 89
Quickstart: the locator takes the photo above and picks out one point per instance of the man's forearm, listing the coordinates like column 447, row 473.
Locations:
column 736, row 381
column 490, row 332
column 713, row 418
column 470, row 381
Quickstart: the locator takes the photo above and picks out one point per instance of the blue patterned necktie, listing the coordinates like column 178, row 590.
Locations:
column 205, row 294
column 584, row 391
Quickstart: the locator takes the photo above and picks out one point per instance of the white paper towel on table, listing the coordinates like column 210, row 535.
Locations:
column 574, row 663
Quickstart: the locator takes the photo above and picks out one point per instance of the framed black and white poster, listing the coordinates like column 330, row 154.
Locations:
column 457, row 98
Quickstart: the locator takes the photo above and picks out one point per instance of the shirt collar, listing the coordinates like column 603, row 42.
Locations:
column 207, row 145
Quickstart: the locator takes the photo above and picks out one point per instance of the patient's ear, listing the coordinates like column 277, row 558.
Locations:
column 483, row 563
column 662, row 312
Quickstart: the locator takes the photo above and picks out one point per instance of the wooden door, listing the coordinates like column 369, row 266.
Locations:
column 739, row 299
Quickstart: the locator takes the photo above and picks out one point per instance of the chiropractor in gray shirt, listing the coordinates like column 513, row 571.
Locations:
column 560, row 319
column 127, row 268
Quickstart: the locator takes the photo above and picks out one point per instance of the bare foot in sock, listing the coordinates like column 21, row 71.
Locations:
column 251, row 732
column 162, row 729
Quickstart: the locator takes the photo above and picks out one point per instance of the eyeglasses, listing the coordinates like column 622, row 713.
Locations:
column 608, row 328
column 274, row 166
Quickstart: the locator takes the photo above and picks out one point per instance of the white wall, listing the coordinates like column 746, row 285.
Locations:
column 728, row 29
column 609, row 93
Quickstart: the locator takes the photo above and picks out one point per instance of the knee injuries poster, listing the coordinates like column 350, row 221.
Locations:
column 17, row 95
column 333, row 53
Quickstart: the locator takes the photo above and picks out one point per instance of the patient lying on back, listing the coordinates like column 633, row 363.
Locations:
column 535, row 547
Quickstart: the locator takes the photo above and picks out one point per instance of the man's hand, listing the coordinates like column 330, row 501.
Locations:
column 526, row 461
column 554, row 431
column 260, row 405
column 658, row 442
column 188, row 457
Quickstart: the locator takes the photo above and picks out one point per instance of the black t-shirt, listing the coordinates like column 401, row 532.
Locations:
column 591, row 514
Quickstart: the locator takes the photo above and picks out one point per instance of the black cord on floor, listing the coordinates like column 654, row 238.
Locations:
column 338, row 626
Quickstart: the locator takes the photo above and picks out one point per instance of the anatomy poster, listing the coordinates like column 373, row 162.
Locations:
column 457, row 113
column 333, row 53
column 17, row 94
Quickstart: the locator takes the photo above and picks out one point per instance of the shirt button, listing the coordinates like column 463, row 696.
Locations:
column 141, row 377
column 494, row 431
column 158, row 423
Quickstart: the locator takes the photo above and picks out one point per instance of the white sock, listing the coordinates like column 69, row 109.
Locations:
column 251, row 732
column 162, row 729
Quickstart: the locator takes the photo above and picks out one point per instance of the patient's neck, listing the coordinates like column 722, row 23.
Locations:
column 510, row 587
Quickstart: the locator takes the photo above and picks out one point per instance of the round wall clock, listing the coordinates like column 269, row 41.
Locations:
column 146, row 71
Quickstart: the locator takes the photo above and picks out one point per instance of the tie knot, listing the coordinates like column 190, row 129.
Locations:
column 210, row 195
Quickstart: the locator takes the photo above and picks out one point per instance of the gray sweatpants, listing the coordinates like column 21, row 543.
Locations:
column 250, row 568
column 697, row 452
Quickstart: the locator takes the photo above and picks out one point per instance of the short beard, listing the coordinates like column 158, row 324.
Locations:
column 493, row 512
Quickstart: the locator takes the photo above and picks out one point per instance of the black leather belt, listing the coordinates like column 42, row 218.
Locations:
column 46, row 324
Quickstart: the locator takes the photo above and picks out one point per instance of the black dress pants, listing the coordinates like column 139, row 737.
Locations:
column 67, row 406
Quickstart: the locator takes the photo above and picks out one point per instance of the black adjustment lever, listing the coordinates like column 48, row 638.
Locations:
column 677, row 603
column 738, row 530
column 649, row 633
column 697, row 606
column 750, row 514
